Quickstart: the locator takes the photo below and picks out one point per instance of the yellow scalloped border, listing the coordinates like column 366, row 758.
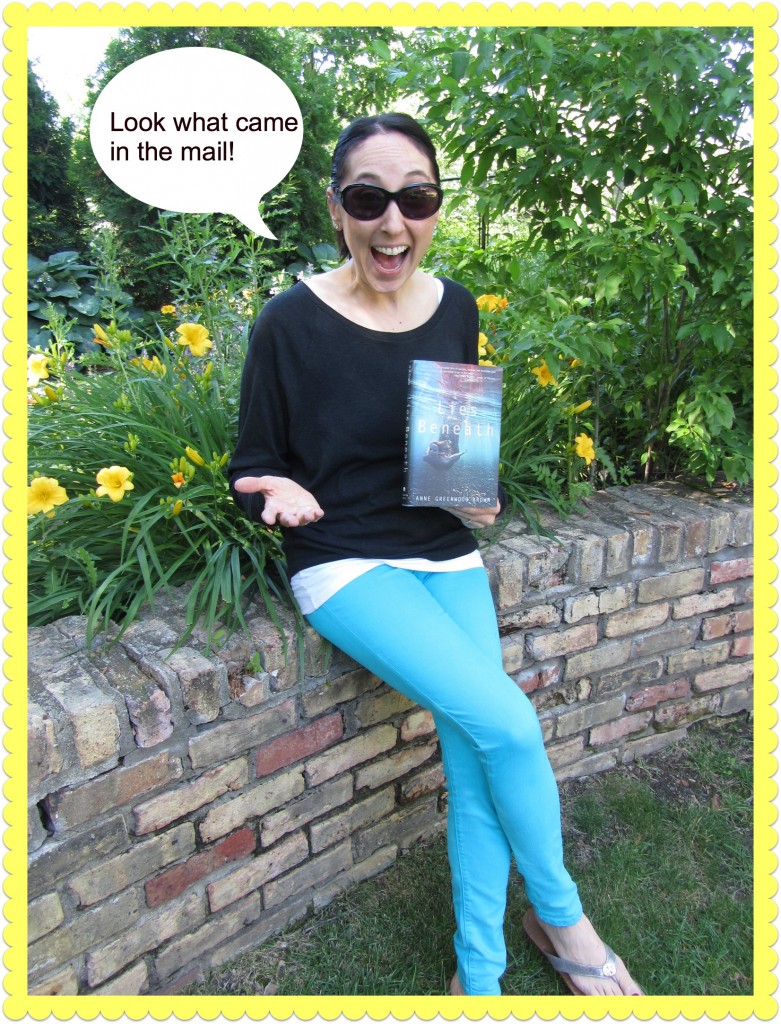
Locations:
column 18, row 1004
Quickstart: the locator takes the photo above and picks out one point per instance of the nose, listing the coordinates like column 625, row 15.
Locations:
column 393, row 218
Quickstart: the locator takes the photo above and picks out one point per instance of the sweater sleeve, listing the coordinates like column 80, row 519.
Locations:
column 262, row 442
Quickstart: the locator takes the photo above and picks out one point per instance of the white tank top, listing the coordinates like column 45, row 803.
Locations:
column 312, row 587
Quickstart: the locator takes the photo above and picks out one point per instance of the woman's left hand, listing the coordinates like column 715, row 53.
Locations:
column 477, row 518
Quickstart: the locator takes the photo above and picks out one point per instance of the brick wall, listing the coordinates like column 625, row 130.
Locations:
column 184, row 808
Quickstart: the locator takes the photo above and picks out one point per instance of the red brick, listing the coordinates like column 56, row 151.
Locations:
column 736, row 569
column 716, row 626
column 529, row 680
column 173, row 882
column 743, row 647
column 654, row 695
column 536, row 678
column 284, row 750
column 723, row 676
column 744, row 619
column 624, row 726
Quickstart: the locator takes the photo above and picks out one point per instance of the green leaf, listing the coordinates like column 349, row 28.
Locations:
column 543, row 44
column 609, row 288
column 722, row 338
column 459, row 64
column 381, row 48
column 89, row 305
column 65, row 290
column 486, row 49
column 720, row 277
column 484, row 165
column 60, row 259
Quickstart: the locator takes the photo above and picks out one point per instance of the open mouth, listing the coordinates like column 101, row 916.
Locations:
column 390, row 258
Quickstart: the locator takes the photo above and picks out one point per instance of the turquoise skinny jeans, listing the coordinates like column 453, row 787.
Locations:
column 434, row 638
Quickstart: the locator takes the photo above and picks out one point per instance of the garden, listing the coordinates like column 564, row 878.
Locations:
column 598, row 206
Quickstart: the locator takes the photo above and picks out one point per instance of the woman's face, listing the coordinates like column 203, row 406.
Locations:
column 385, row 251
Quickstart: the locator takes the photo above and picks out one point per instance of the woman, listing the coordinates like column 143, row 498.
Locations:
column 403, row 590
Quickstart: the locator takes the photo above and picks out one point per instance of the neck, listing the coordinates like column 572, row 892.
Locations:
column 397, row 301
column 401, row 310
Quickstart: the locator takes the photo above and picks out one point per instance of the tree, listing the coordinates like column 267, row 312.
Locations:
column 56, row 208
column 331, row 88
column 627, row 152
column 294, row 210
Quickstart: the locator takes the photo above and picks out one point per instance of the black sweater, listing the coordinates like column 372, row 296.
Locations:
column 323, row 402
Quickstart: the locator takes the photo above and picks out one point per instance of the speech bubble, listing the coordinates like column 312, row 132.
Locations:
column 197, row 130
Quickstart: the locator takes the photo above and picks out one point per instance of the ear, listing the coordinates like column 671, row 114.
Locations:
column 334, row 209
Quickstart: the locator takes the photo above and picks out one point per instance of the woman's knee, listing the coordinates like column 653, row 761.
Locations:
column 511, row 723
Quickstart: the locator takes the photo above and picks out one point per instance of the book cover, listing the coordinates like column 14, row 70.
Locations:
column 454, row 413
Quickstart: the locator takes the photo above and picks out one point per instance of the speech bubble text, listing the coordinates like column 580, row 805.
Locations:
column 197, row 130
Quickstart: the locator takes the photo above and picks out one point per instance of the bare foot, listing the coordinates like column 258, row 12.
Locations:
column 455, row 987
column 581, row 944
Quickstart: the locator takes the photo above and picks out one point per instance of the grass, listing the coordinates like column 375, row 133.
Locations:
column 662, row 854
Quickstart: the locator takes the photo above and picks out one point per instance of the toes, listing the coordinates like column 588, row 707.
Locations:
column 627, row 984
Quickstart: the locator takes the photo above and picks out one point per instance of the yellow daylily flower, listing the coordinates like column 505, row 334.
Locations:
column 101, row 338
column 193, row 456
column 37, row 368
column 154, row 365
column 43, row 494
column 543, row 375
column 178, row 479
column 196, row 337
column 482, row 343
column 168, row 309
column 491, row 303
column 574, row 410
column 584, row 447
column 114, row 481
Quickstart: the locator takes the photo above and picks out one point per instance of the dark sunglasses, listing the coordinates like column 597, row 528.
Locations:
column 368, row 202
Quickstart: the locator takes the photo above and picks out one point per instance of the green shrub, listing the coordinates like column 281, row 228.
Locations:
column 549, row 448
column 129, row 494
column 66, row 296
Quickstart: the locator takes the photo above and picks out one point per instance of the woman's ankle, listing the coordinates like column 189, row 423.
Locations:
column 456, row 988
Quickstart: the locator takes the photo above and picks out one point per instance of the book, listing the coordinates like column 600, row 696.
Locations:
column 453, row 428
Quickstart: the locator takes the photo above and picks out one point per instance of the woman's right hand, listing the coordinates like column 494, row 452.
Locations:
column 286, row 501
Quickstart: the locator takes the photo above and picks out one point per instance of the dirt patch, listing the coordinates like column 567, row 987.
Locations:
column 679, row 776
